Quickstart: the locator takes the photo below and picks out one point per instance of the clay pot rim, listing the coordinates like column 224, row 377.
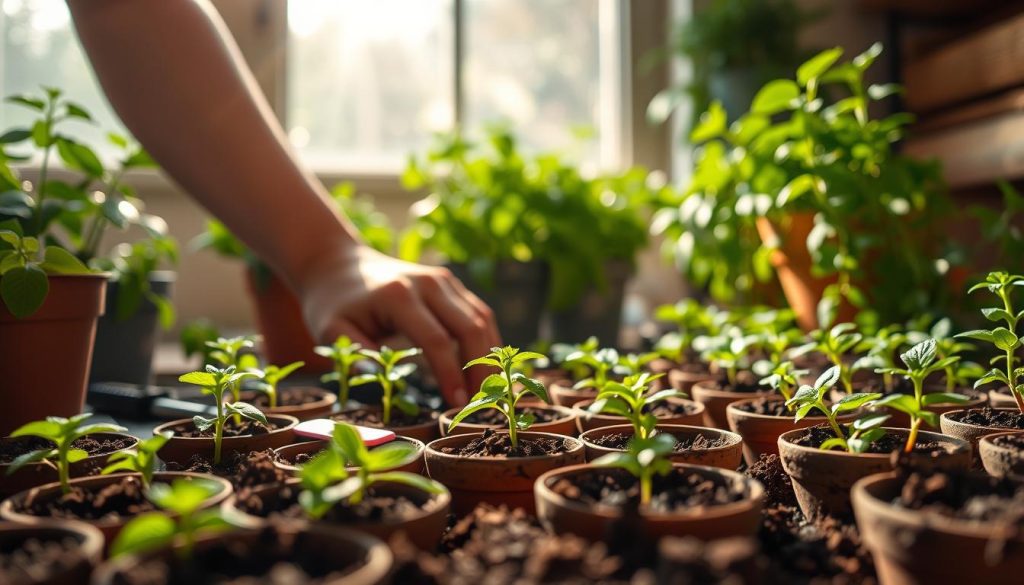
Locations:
column 947, row 416
column 398, row 430
column 4, row 466
column 987, row 441
column 543, row 490
column 716, row 393
column 326, row 397
column 734, row 438
column 445, row 418
column 433, row 452
column 420, row 448
column 90, row 539
column 7, row 511
column 169, row 426
column 766, row 417
column 582, row 405
column 957, row 445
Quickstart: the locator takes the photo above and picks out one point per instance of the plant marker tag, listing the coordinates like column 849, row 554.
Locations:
column 323, row 429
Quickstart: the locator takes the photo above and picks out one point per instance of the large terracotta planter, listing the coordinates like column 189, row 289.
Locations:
column 822, row 479
column 761, row 432
column 562, row 516
column 45, row 357
column 565, row 424
column 724, row 457
column 322, row 407
column 589, row 421
column 88, row 539
column 918, row 547
column 283, row 456
column 494, row 480
column 180, row 449
column 1000, row 460
column 716, row 402
column 280, row 321
column 35, row 474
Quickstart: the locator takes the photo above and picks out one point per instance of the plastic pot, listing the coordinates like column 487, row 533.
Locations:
column 88, row 539
column 322, row 407
column 565, row 424
column 515, row 291
column 34, row 474
column 588, row 420
column 1000, row 460
column 597, row 312
column 283, row 456
column 761, row 432
column 180, row 449
column 717, row 401
column 725, row 457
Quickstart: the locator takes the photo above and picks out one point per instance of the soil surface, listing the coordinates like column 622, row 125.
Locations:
column 372, row 418
column 745, row 382
column 815, row 436
column 671, row 408
column 988, row 417
column 285, row 503
column 242, row 470
column 273, row 559
column 1011, row 442
column 691, row 443
column 966, row 497
column 677, row 491
column 34, row 560
column 778, row 486
column 301, row 458
column 494, row 444
column 113, row 501
column 285, row 397
column 13, row 447
column 244, row 428
column 490, row 416
column 766, row 407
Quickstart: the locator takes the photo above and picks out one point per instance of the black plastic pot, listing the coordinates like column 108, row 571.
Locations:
column 124, row 347
column 598, row 312
column 516, row 292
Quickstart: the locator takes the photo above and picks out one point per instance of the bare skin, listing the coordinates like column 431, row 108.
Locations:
column 177, row 80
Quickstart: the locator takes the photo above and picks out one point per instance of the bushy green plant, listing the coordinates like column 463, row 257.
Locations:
column 215, row 382
column 142, row 459
column 632, row 399
column 863, row 431
column 1004, row 337
column 391, row 375
column 343, row 353
column 644, row 459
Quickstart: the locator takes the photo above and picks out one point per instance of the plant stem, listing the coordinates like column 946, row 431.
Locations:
column 512, row 430
column 835, row 427
column 342, row 385
column 44, row 168
column 645, row 488
column 272, row 395
column 218, row 429
column 62, row 467
column 915, row 424
column 385, row 399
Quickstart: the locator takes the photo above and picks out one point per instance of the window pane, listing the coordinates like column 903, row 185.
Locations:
column 368, row 82
column 534, row 64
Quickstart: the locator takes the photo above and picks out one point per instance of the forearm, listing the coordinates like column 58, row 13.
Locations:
column 176, row 79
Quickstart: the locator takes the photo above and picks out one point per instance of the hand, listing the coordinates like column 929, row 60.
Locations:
column 369, row 296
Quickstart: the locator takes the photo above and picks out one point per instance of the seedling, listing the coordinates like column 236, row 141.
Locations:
column 560, row 353
column 834, row 344
column 498, row 391
column 690, row 319
column 216, row 382
column 632, row 364
column 24, row 266
column 182, row 499
column 959, row 373
column 863, row 432
column 784, row 379
column 235, row 352
column 344, row 354
column 920, row 362
column 327, row 479
column 730, row 354
column 269, row 377
column 142, row 459
column 644, row 459
column 882, row 348
column 63, row 432
column 1003, row 337
column 391, row 376
column 601, row 362
column 630, row 399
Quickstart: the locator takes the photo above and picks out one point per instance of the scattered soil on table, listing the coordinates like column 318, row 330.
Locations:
column 767, row 407
column 491, row 416
column 121, row 499
column 285, row 397
column 815, row 436
column 494, row 444
column 745, row 382
column 244, row 428
column 679, row 490
column 242, row 470
column 988, row 417
column 778, row 486
column 369, row 417
column 13, row 447
column 691, row 443
column 34, row 560
column 966, row 497
column 284, row 502
column 1011, row 442
column 274, row 558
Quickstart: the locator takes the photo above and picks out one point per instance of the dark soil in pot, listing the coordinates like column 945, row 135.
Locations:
column 302, row 402
column 491, row 417
column 423, row 426
column 990, row 418
column 1002, row 454
column 761, row 420
column 677, row 411
column 241, row 469
column 766, row 406
column 13, row 447
column 547, row 419
column 620, row 441
column 98, row 446
column 815, row 436
column 59, row 553
column 114, row 502
column 243, row 428
column 495, row 444
column 680, row 489
column 694, row 445
column 239, row 437
column 717, row 394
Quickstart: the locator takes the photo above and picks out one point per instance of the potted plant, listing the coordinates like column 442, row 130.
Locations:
column 499, row 467
column 634, row 401
column 53, row 553
column 692, row 320
column 665, row 498
column 729, row 353
column 290, row 458
column 302, row 402
column 589, row 367
column 836, row 345
column 343, row 354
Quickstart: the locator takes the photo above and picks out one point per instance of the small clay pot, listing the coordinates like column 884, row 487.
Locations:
column 921, row 547
column 328, row 543
column 34, row 474
column 283, row 456
column 1001, row 398
column 725, row 457
column 1000, row 460
column 716, row 402
column 761, row 432
column 967, row 431
column 822, row 479
column 587, row 420
column 684, row 381
column 322, row 407
column 89, row 553
column 595, row 522
column 565, row 424
column 180, row 449
column 425, row 431
column 494, row 480
column 565, row 395
column 10, row 509
column 424, row 529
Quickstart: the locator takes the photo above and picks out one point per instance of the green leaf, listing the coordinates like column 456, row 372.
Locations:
column 76, row 455
column 24, row 289
column 827, row 379
column 775, row 96
column 978, row 334
column 944, row 398
column 483, row 361
column 145, row 532
column 183, row 496
column 474, row 406
column 76, row 111
column 900, row 402
column 100, row 428
column 79, row 157
column 525, row 356
column 362, row 379
column 532, row 386
column 204, row 379
column 40, row 428
column 15, row 135
column 854, row 401
column 202, row 423
column 248, row 411
column 833, row 443
column 870, row 421
column 389, row 456
column 346, row 438
column 57, row 260
column 712, row 124
column 27, row 101
column 1005, row 339
column 919, row 356
column 817, row 65
column 31, row 457
column 803, row 411
column 619, row 460
column 412, row 479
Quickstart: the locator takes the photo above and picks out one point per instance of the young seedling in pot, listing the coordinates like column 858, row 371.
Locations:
column 234, row 352
column 730, row 354
column 181, row 499
column 644, row 459
column 601, row 363
column 834, row 343
column 62, row 432
column 269, row 377
column 920, row 362
column 690, row 319
column 344, row 354
column 783, row 378
column 882, row 348
column 632, row 364
column 862, row 433
column 216, row 382
column 630, row 399
column 1004, row 337
column 959, row 373
column 142, row 459
column 498, row 391
column 391, row 375
column 327, row 481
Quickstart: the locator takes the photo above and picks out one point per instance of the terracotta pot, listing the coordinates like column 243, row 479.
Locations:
column 322, row 407
column 280, row 321
column 45, row 357
column 110, row 527
column 425, row 431
column 1000, row 460
column 966, row 431
column 761, row 432
column 916, row 547
column 822, row 479
column 494, row 480
column 901, row 420
column 725, row 457
column 89, row 553
column 565, row 424
column 589, row 421
column 684, row 381
column 35, row 474
column 180, row 449
column 424, row 528
column 716, row 402
column 1001, row 398
column 285, row 455
column 327, row 544
column 595, row 522
column 567, row 396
